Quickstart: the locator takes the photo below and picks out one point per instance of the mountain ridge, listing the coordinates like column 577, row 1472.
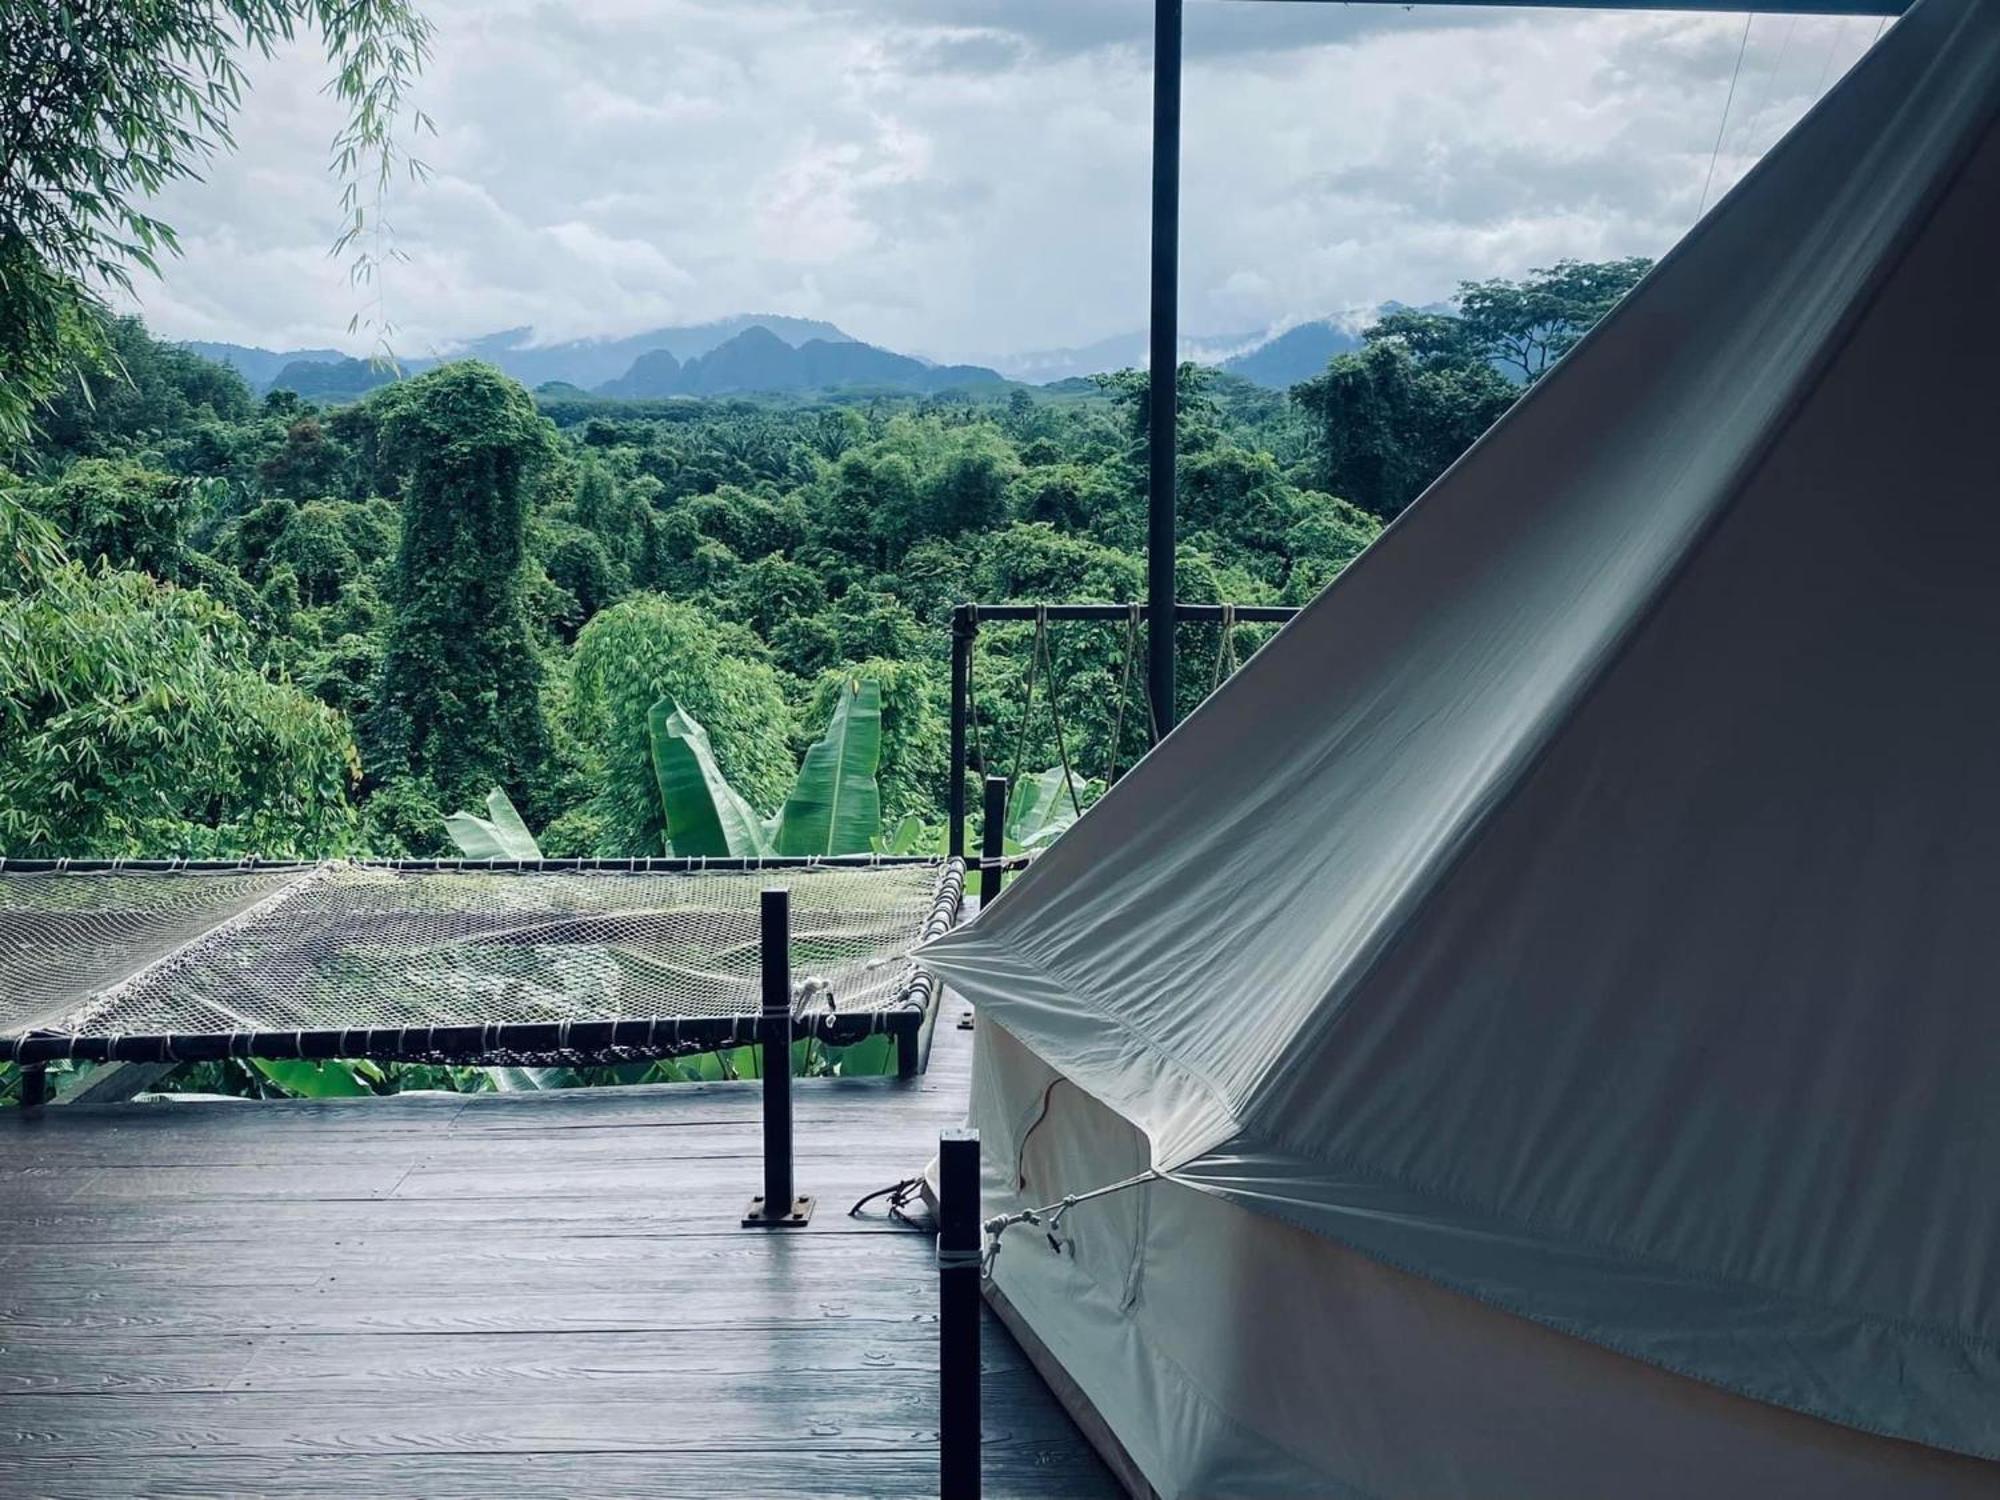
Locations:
column 750, row 353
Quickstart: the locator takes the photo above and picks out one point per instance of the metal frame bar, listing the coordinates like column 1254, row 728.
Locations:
column 958, row 1253
column 992, row 841
column 779, row 1206
column 1736, row 7
column 1163, row 358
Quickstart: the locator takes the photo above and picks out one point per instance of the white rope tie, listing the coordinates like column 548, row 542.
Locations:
column 1049, row 1217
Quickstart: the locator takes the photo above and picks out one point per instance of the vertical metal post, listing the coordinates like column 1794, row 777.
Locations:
column 1165, row 360
column 779, row 1206
column 963, row 625
column 958, row 1314
column 992, row 839
column 34, row 1085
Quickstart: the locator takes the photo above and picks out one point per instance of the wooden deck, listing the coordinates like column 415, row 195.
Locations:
column 495, row 1295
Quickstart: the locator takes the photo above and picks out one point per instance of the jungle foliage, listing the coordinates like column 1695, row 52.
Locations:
column 240, row 626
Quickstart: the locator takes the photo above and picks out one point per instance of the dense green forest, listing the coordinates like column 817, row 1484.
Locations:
column 240, row 626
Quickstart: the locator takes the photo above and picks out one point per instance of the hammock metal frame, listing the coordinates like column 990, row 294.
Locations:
column 907, row 1018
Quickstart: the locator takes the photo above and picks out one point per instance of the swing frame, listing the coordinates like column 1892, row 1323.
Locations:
column 966, row 620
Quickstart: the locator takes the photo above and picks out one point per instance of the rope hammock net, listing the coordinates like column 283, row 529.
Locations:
column 378, row 959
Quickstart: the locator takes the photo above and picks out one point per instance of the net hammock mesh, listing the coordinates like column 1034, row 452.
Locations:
column 125, row 953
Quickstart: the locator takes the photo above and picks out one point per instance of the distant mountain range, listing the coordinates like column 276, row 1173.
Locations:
column 1277, row 357
column 757, row 359
column 754, row 353
column 751, row 353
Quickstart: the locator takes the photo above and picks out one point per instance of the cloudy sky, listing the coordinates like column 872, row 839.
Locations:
column 969, row 177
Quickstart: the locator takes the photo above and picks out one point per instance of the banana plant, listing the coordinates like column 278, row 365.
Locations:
column 1043, row 805
column 911, row 835
column 705, row 814
column 835, row 806
column 499, row 835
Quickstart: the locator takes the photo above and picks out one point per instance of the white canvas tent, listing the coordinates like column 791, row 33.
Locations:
column 1558, row 980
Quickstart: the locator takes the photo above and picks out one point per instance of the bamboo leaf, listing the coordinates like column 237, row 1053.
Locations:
column 835, row 806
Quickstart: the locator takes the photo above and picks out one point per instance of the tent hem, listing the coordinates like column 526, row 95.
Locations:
column 1510, row 1297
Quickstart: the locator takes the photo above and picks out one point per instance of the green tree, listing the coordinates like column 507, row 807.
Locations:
column 133, row 721
column 1386, row 426
column 1327, row 535
column 308, row 466
column 459, row 698
column 128, row 98
column 646, row 648
column 131, row 516
column 160, row 393
column 1524, row 326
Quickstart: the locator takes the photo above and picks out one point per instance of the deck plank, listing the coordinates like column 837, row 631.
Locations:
column 515, row 1294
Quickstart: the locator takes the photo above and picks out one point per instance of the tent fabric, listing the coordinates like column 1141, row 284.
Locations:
column 1585, row 904
column 1237, row 1355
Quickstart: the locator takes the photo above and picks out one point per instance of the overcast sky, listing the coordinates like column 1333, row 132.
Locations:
column 968, row 177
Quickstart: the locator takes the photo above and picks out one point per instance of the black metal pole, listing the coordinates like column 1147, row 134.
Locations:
column 1164, row 359
column 992, row 839
column 779, row 1206
column 963, row 624
column 34, row 1086
column 958, row 1314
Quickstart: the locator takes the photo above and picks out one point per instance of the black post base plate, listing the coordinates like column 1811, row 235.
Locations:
column 757, row 1217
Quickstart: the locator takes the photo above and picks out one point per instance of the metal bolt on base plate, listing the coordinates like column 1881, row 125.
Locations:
column 755, row 1217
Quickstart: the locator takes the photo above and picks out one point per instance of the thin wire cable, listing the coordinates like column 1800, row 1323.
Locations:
column 1716, row 155
column 1765, row 94
column 1839, row 30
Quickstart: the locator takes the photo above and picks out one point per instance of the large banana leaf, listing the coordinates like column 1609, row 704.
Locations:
column 499, row 835
column 705, row 816
column 531, row 1080
column 835, row 806
column 303, row 1079
column 1042, row 806
column 909, row 836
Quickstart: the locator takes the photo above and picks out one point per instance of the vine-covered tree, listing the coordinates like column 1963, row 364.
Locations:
column 458, row 703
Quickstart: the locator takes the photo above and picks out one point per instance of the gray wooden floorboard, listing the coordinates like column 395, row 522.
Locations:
column 507, row 1295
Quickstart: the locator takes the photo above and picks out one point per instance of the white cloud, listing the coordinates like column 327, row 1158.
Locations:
column 972, row 175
